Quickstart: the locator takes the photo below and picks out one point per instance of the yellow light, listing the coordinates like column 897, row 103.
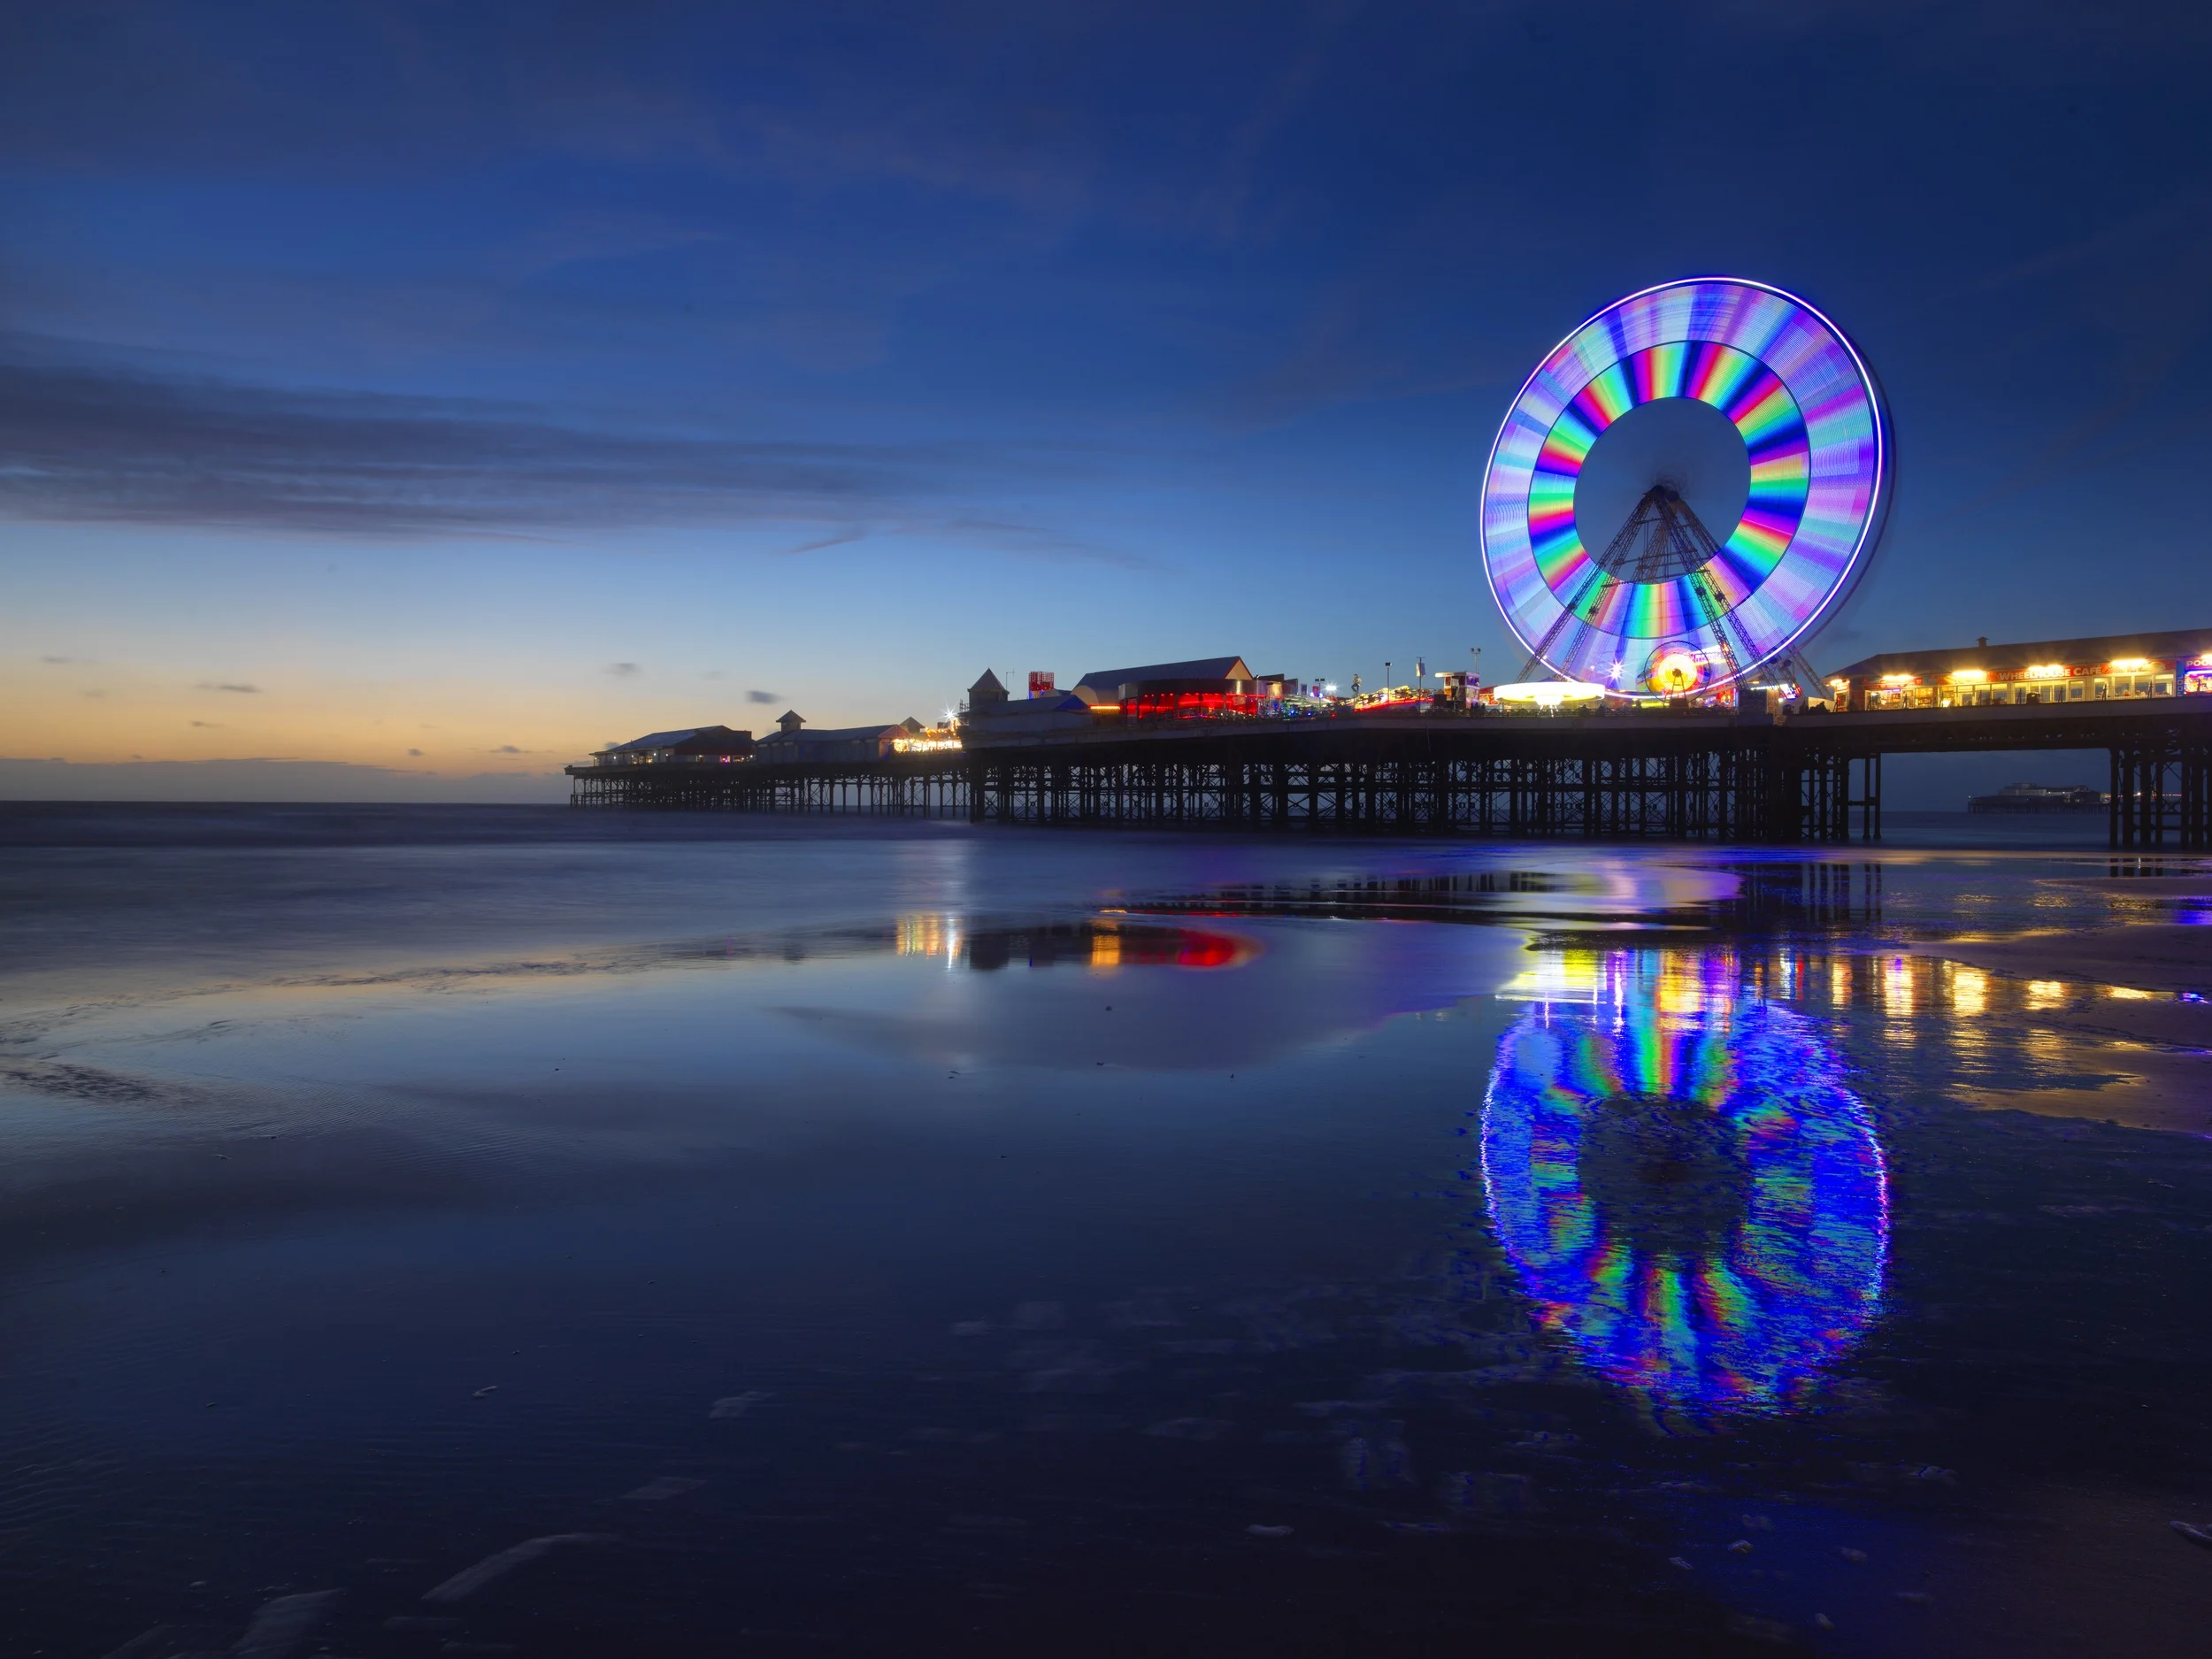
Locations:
column 1548, row 693
column 2130, row 664
column 1969, row 991
column 926, row 935
column 1901, row 679
column 1968, row 676
column 1566, row 976
column 2128, row 993
column 1676, row 671
column 1681, row 989
column 1897, row 987
column 923, row 745
column 1105, row 708
column 2047, row 671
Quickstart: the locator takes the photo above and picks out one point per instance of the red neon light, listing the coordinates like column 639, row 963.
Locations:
column 1189, row 705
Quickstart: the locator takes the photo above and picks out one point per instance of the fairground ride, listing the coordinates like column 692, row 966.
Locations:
column 1685, row 488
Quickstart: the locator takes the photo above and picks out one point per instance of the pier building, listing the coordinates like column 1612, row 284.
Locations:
column 792, row 744
column 2177, row 663
column 694, row 745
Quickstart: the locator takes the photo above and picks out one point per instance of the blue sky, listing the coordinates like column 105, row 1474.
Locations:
column 476, row 384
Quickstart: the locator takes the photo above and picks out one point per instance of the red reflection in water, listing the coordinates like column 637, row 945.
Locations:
column 1097, row 945
column 1167, row 946
column 1210, row 951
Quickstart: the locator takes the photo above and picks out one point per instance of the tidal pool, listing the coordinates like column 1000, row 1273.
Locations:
column 431, row 1231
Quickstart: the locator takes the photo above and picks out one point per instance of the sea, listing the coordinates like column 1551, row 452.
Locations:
column 435, row 1231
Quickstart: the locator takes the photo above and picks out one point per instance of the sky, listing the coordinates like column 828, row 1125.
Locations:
column 417, row 396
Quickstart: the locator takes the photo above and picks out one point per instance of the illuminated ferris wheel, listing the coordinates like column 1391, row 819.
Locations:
column 1686, row 486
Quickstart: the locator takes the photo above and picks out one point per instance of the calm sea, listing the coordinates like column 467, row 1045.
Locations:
column 437, row 1231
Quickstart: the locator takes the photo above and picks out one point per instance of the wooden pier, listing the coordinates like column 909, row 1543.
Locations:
column 1634, row 774
column 916, row 786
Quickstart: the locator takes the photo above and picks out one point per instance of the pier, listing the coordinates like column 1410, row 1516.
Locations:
column 1644, row 773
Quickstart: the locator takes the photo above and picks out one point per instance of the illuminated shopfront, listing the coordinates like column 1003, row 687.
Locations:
column 2110, row 669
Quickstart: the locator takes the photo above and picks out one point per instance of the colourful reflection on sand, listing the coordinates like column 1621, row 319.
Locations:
column 1684, row 1186
column 1101, row 946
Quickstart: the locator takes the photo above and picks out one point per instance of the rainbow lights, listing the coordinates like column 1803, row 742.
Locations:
column 1814, row 433
column 1687, row 1190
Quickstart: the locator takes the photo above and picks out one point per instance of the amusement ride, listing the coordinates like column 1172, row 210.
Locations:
column 1683, row 489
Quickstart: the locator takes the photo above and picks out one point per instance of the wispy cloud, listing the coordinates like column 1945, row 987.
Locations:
column 760, row 696
column 1039, row 541
column 226, row 685
column 622, row 671
column 81, row 441
column 839, row 540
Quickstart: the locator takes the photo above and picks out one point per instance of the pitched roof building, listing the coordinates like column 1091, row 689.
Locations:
column 2169, row 647
column 2169, row 662
column 690, row 743
column 1104, row 685
column 792, row 744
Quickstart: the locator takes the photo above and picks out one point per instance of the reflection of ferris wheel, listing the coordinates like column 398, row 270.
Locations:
column 1685, row 1188
column 1687, row 484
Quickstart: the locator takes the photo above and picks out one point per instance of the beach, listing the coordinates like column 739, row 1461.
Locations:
column 562, row 1233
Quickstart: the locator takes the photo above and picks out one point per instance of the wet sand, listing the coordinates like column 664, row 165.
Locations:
column 907, row 1240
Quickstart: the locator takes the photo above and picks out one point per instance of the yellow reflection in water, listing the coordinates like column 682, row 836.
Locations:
column 923, row 934
column 2046, row 993
column 1106, row 949
column 1564, row 976
column 1969, row 991
column 1681, row 982
column 1687, row 982
column 1897, row 987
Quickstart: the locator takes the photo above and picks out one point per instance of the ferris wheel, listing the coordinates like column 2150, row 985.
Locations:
column 1688, row 483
